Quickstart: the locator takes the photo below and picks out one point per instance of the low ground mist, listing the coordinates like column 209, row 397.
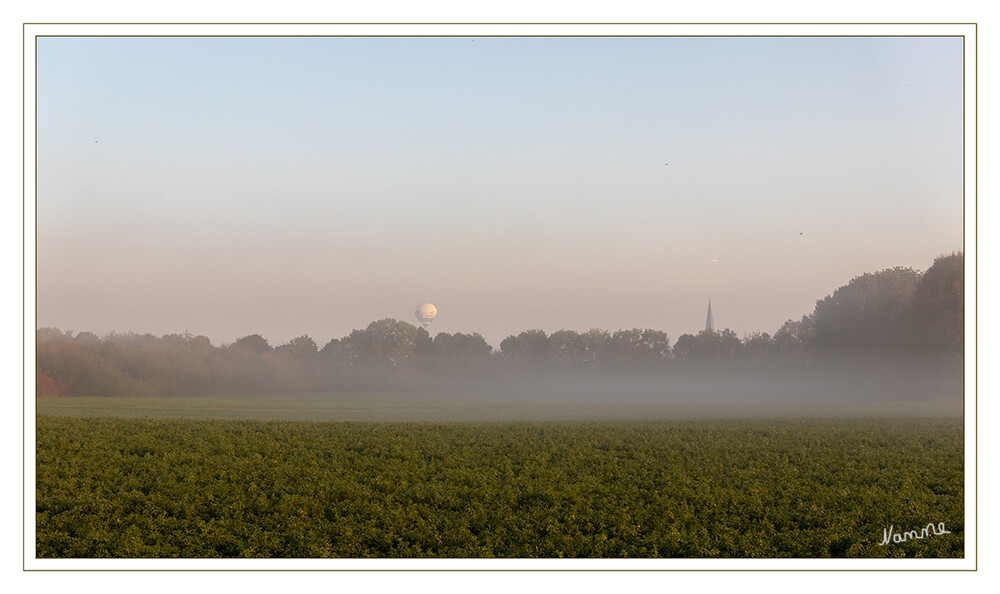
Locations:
column 837, row 388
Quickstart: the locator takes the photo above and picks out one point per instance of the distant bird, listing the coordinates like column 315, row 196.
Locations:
column 800, row 233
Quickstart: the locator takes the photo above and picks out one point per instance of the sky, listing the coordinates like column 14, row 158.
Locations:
column 283, row 186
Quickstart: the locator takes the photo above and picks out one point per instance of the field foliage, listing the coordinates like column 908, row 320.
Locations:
column 121, row 487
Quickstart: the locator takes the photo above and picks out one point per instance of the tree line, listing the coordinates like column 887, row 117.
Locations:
column 895, row 312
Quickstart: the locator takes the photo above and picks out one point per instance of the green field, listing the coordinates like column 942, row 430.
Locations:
column 450, row 407
column 757, row 487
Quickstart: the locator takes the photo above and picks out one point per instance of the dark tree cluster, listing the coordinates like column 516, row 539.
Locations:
column 594, row 350
column 874, row 318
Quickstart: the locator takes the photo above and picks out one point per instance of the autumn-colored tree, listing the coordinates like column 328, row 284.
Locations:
column 46, row 387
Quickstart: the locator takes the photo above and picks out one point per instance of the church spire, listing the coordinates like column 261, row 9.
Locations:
column 709, row 322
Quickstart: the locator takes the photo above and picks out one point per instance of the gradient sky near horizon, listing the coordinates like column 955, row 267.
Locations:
column 311, row 185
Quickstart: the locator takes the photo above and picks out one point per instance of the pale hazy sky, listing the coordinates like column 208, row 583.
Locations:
column 288, row 186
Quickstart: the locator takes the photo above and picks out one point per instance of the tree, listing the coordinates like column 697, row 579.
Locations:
column 567, row 349
column 938, row 305
column 385, row 344
column 793, row 336
column 654, row 345
column 254, row 343
column 83, row 369
column 88, row 338
column 46, row 387
column 461, row 354
column 637, row 348
column 756, row 344
column 44, row 335
column 595, row 347
column 332, row 350
column 707, row 344
column 528, row 350
column 301, row 348
column 866, row 314
column 424, row 349
column 624, row 348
